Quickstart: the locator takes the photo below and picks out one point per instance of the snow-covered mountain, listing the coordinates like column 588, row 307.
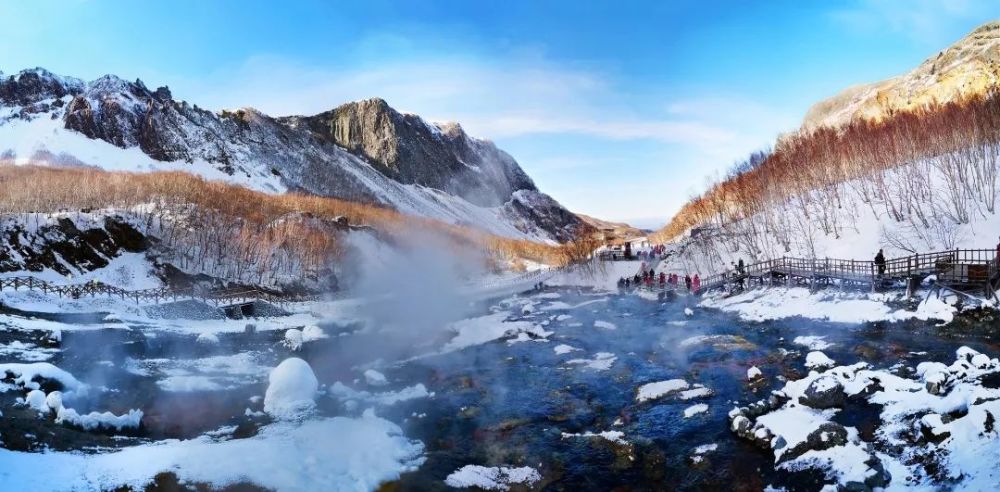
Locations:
column 362, row 151
column 970, row 66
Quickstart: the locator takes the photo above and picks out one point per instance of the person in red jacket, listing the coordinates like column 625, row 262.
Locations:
column 696, row 283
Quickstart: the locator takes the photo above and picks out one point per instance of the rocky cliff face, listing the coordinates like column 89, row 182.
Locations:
column 361, row 151
column 971, row 66
column 409, row 150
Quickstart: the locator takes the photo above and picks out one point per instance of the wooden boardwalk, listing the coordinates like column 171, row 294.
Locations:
column 971, row 271
column 220, row 298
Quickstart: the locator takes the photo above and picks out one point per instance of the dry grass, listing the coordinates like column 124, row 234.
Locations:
column 253, row 224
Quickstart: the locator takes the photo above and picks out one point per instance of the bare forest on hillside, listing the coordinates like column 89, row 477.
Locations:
column 927, row 176
column 232, row 232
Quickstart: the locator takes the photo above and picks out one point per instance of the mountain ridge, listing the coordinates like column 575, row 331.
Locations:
column 361, row 151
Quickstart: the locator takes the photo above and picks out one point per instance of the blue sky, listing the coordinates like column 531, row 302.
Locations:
column 617, row 109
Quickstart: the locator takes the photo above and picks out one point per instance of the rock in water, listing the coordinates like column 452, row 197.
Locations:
column 291, row 390
column 823, row 392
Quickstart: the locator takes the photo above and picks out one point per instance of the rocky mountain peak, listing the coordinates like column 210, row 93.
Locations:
column 406, row 148
column 37, row 84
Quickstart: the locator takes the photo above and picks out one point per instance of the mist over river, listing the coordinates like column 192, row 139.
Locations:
column 546, row 379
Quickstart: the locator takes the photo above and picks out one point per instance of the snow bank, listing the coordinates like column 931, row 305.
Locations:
column 841, row 307
column 25, row 374
column 292, row 389
column 329, row 454
column 492, row 478
column 605, row 325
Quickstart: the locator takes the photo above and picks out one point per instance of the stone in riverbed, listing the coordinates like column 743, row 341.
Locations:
column 826, row 436
column 823, row 392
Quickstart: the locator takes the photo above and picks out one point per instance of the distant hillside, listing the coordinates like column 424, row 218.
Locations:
column 970, row 67
column 910, row 164
column 618, row 230
column 364, row 151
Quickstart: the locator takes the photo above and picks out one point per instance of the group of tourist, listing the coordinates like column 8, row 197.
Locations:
column 649, row 278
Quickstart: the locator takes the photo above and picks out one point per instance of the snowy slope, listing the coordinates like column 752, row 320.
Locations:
column 118, row 125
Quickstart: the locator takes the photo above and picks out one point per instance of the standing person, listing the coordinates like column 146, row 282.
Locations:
column 663, row 278
column 687, row 282
column 696, row 283
column 998, row 252
column 880, row 262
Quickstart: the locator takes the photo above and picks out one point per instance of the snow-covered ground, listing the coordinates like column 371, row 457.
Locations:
column 938, row 424
column 845, row 307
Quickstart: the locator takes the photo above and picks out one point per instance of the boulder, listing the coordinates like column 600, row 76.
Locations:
column 823, row 392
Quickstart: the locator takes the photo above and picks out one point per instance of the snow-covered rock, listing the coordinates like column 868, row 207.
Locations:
column 818, row 360
column 291, row 390
column 208, row 338
column 293, row 339
column 54, row 400
column 659, row 389
column 99, row 420
column 312, row 333
column 492, row 478
column 695, row 410
column 35, row 399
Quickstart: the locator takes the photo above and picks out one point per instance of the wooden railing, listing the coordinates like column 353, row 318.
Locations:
column 216, row 297
column 960, row 267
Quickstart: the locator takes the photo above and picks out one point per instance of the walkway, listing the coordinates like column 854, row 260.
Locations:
column 963, row 270
column 220, row 298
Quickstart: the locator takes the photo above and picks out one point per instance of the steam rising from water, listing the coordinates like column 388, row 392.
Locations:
column 411, row 292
